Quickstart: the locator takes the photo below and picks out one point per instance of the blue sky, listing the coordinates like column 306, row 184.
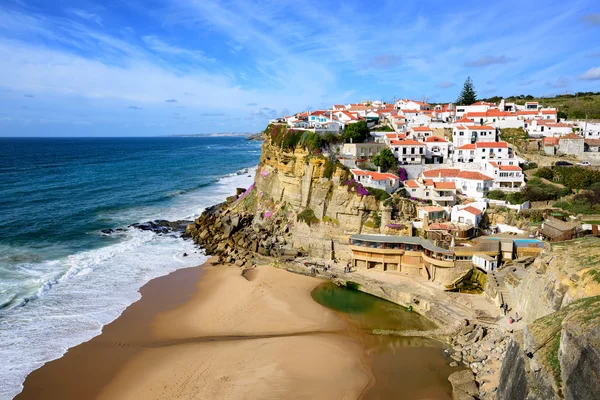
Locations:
column 146, row 67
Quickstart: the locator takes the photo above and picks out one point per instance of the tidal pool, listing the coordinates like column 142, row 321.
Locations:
column 404, row 367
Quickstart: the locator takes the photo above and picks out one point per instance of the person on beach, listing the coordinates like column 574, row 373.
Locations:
column 516, row 317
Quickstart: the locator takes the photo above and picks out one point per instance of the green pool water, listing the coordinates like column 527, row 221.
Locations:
column 368, row 311
column 404, row 367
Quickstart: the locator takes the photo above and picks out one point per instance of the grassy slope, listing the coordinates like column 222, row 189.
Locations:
column 575, row 106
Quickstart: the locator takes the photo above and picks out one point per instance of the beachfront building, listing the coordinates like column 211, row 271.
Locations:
column 438, row 193
column 432, row 213
column 485, row 262
column 412, row 256
column 384, row 181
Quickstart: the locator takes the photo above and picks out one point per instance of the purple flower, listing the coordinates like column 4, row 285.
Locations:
column 395, row 226
column 268, row 214
column 264, row 172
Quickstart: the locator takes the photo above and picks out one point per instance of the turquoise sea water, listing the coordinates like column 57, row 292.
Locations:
column 61, row 279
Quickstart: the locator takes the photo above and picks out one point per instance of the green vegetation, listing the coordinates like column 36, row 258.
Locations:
column 379, row 194
column 537, row 190
column 328, row 219
column 383, row 128
column 594, row 275
column 289, row 139
column 308, row 216
column 511, row 198
column 331, row 164
column 357, row 131
column 377, row 219
column 467, row 95
column 529, row 165
column 545, row 172
column 584, row 202
column 515, row 136
column 385, row 160
column 573, row 106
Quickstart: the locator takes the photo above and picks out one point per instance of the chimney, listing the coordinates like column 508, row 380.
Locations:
column 379, row 169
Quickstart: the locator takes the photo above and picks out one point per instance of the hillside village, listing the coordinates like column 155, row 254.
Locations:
column 454, row 159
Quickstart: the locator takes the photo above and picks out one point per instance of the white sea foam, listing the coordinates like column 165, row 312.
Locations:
column 95, row 287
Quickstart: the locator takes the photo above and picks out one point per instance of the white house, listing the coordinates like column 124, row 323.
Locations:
column 439, row 193
column 472, row 184
column 411, row 105
column 466, row 134
column 437, row 150
column 421, row 132
column 543, row 128
column 466, row 214
column 506, row 177
column 479, row 151
column 346, row 117
column 385, row 181
column 408, row 151
column 433, row 213
column 485, row 262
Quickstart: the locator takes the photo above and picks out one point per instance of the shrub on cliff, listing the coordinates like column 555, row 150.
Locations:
column 545, row 172
column 379, row 194
column 496, row 195
column 308, row 216
column 385, row 160
column 357, row 131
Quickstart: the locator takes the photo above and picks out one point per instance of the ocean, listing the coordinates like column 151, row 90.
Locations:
column 61, row 278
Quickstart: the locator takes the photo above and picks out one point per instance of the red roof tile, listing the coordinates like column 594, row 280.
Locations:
column 411, row 184
column 475, row 175
column 481, row 128
column 509, row 168
column 422, row 129
column 444, row 185
column 442, row 172
column 406, row 142
column 466, row 147
column 435, row 139
column 491, row 145
column 472, row 210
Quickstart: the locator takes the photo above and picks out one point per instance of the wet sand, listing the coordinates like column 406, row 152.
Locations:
column 214, row 334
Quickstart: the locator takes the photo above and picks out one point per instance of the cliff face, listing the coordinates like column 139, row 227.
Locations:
column 557, row 356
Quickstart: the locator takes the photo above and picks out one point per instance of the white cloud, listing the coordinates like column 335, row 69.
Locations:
column 592, row 74
column 83, row 14
column 160, row 46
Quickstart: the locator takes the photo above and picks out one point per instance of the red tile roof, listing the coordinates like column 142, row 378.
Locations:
column 571, row 136
column 527, row 112
column 444, row 185
column 428, row 182
column 466, row 147
column 474, row 175
column 442, row 172
column 472, row 210
column 463, row 119
column 435, row 139
column 491, row 145
column 376, row 176
column 411, row 184
column 406, row 142
column 422, row 129
column 550, row 141
column 481, row 128
column 509, row 168
column 548, row 111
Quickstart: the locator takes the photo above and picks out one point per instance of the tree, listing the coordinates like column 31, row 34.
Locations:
column 468, row 95
column 385, row 159
column 357, row 131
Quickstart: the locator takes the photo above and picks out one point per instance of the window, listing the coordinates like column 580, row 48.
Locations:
column 427, row 194
column 414, row 190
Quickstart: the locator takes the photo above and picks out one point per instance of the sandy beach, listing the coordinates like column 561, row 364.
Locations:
column 212, row 333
